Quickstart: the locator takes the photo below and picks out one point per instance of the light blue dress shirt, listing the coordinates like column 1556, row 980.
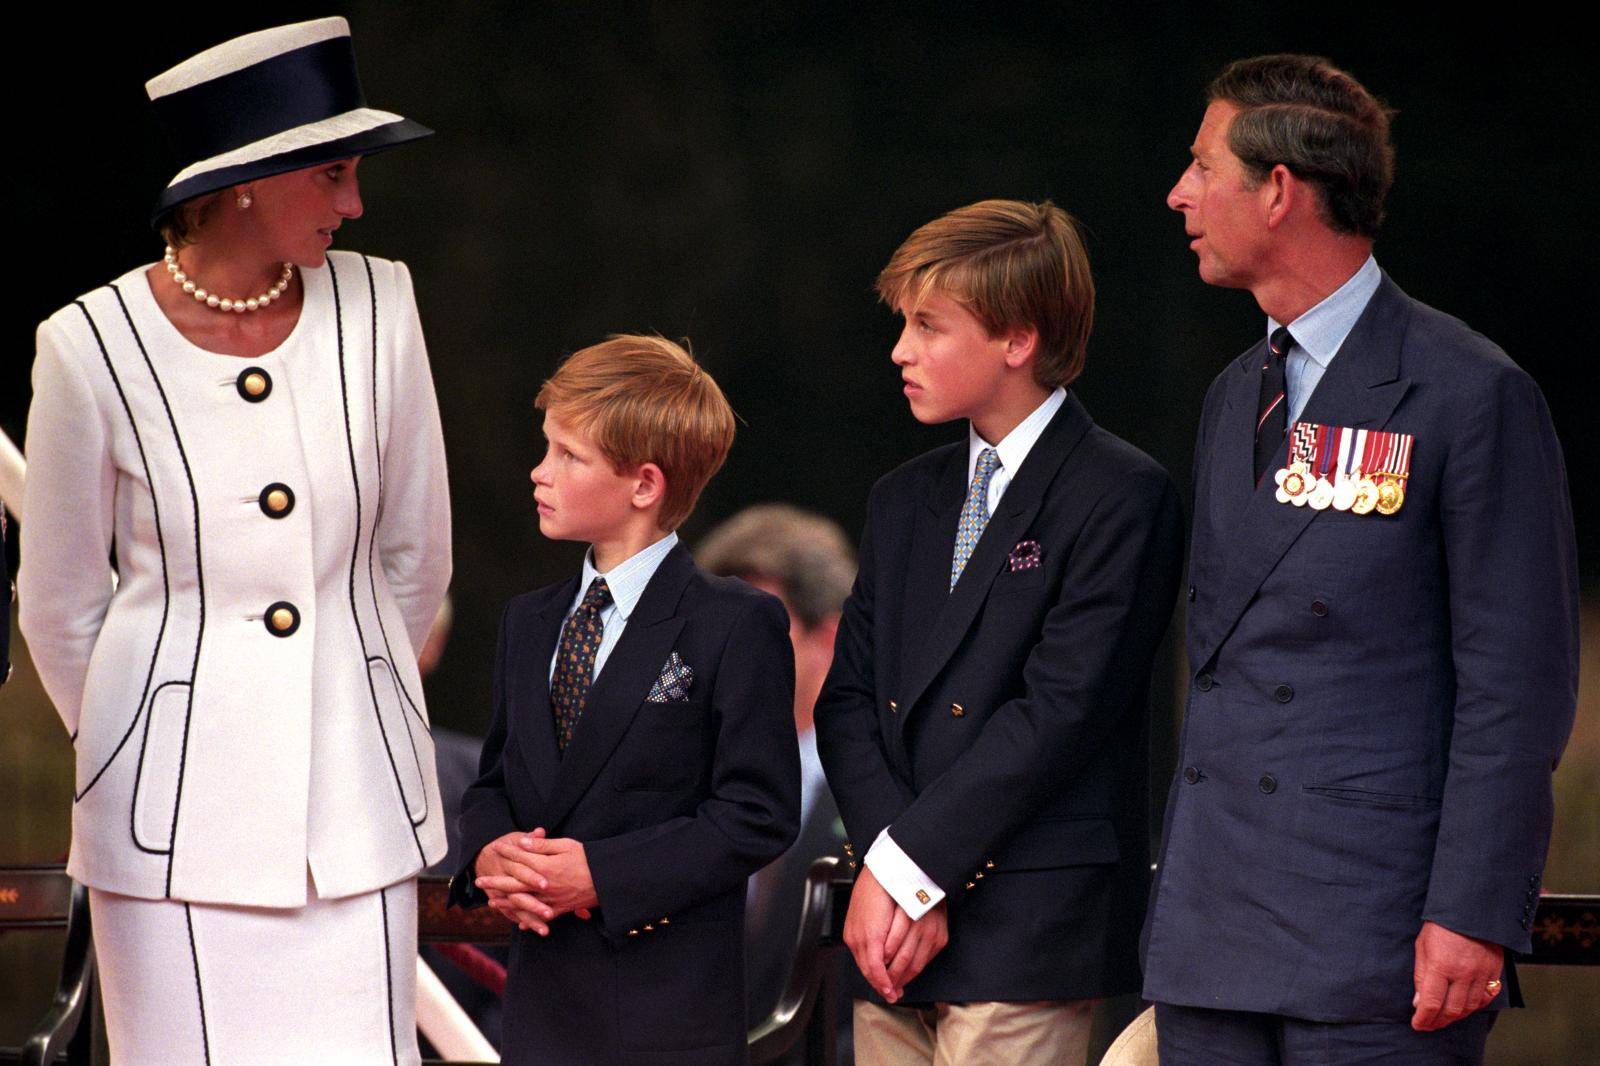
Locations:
column 1320, row 332
column 627, row 581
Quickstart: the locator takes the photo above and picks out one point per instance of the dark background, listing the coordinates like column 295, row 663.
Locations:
column 738, row 174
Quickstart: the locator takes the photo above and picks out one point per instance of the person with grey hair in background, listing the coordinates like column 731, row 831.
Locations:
column 807, row 561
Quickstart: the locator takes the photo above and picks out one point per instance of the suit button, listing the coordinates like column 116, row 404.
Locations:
column 1319, row 608
column 894, row 708
column 276, row 500
column 633, row 932
column 1283, row 693
column 957, row 711
column 1268, row 784
column 1191, row 593
column 254, row 384
column 1191, row 774
column 1204, row 682
column 282, row 619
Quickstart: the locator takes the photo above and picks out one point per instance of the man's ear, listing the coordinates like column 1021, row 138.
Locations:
column 1281, row 192
column 649, row 486
column 1021, row 343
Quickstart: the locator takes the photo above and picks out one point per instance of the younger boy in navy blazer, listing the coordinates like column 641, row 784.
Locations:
column 642, row 761
column 984, row 724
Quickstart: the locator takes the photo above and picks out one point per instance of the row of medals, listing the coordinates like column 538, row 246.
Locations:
column 1358, row 494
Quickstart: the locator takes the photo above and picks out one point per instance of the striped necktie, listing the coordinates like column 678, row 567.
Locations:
column 1272, row 410
column 974, row 513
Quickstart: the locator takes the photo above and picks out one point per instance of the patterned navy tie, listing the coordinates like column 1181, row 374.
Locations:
column 1272, row 410
column 974, row 513
column 580, row 640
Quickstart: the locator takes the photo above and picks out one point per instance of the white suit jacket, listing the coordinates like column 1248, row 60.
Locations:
column 242, row 692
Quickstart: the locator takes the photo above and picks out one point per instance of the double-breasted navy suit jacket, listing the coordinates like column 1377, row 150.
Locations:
column 999, row 730
column 676, row 804
column 1376, row 703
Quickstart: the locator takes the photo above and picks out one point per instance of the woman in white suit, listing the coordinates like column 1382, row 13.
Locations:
column 238, row 532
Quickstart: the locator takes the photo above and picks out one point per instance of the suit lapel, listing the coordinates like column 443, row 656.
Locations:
column 1016, row 512
column 537, row 731
column 630, row 670
column 1361, row 388
column 932, row 546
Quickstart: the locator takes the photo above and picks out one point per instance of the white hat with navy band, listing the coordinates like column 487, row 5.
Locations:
column 265, row 103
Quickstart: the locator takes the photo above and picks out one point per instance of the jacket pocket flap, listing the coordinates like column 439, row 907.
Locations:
column 1045, row 845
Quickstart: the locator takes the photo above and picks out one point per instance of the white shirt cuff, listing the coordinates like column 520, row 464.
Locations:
column 903, row 879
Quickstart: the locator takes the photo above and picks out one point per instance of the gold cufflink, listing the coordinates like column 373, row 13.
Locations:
column 922, row 896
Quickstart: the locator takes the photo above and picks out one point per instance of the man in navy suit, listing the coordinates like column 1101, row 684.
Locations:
column 984, row 724
column 642, row 762
column 1382, row 632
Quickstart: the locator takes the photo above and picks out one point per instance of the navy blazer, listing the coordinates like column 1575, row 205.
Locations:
column 676, row 804
column 1000, row 729
column 1376, row 703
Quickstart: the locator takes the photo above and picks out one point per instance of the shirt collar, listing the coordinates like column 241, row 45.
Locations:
column 627, row 580
column 1322, row 330
column 1016, row 445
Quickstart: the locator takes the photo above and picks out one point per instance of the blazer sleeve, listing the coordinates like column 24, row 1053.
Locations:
column 65, row 581
column 753, row 812
column 486, row 812
column 849, row 740
column 1510, row 554
column 413, row 531
column 1092, row 663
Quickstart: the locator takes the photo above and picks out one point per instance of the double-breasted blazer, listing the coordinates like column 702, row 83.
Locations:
column 1375, row 702
column 241, row 688
column 999, row 730
column 676, row 801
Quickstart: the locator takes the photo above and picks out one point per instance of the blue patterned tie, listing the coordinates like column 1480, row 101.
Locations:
column 580, row 640
column 974, row 513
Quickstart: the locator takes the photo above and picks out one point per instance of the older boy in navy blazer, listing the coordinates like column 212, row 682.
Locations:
column 984, row 724
column 642, row 760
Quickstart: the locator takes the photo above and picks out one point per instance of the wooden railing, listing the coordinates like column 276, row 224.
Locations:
column 1566, row 932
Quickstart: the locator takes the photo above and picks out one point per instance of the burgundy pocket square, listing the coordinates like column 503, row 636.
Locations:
column 1025, row 556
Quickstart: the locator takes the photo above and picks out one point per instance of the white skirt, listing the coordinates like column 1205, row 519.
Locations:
column 193, row 983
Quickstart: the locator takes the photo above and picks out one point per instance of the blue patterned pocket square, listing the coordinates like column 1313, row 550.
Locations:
column 674, row 682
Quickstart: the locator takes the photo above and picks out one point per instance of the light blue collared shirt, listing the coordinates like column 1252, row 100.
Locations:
column 627, row 581
column 1014, row 448
column 1321, row 331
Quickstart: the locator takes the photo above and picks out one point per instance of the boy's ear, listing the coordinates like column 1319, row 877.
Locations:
column 1021, row 343
column 649, row 486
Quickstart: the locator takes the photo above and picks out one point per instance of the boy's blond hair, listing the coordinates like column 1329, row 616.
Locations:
column 1013, row 265
column 645, row 400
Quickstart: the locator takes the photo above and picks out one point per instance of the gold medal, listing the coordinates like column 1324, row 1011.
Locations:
column 1366, row 496
column 1391, row 494
column 1292, row 482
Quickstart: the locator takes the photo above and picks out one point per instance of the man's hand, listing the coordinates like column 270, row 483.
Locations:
column 1452, row 974
column 866, row 931
column 911, row 945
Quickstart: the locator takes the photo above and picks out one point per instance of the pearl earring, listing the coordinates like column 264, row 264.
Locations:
column 244, row 201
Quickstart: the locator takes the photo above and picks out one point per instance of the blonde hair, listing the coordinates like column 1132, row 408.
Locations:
column 643, row 399
column 1014, row 265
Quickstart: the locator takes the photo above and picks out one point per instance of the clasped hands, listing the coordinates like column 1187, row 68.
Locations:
column 889, row 947
column 532, row 879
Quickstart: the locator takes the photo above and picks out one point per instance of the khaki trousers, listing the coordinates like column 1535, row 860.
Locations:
column 1043, row 1033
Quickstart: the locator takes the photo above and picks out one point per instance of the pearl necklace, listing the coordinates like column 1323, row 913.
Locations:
column 223, row 303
